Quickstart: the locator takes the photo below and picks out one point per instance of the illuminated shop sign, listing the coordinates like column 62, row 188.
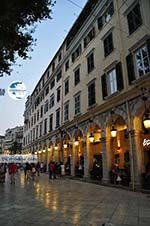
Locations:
column 146, row 142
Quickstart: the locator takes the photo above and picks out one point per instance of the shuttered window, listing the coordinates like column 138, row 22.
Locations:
column 112, row 81
column 134, row 18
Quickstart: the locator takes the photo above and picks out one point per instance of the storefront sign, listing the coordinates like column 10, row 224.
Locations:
column 18, row 158
column 146, row 142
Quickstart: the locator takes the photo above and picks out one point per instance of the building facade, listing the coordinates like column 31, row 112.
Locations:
column 90, row 104
column 13, row 140
column 1, row 144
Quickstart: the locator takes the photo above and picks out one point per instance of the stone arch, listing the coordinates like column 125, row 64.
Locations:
column 94, row 150
column 77, row 153
column 141, row 137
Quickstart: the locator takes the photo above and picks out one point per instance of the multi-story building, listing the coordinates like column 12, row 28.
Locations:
column 91, row 104
column 13, row 140
column 1, row 144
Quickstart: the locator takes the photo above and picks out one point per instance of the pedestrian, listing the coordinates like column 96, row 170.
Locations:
column 38, row 169
column 28, row 171
column 52, row 170
column 42, row 167
column 33, row 171
column 2, row 172
column 12, row 172
column 49, row 170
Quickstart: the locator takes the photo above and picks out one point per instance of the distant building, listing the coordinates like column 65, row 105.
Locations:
column 1, row 144
column 13, row 140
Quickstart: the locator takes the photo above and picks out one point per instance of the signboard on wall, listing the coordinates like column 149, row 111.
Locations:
column 146, row 144
column 18, row 158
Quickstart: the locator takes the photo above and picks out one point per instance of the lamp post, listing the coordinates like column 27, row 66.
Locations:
column 91, row 138
column 113, row 130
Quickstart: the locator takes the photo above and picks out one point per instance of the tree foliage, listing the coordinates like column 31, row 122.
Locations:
column 15, row 148
column 17, row 24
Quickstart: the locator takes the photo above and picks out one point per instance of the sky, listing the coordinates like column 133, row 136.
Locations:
column 50, row 34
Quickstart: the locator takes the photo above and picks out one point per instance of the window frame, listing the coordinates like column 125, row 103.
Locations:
column 90, row 63
column 132, row 22
column 137, row 75
column 66, row 111
column 77, row 104
column 108, row 46
column 66, row 86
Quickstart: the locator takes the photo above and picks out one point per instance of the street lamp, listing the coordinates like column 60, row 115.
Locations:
column 56, row 147
column 146, row 117
column 146, row 120
column 76, row 142
column 91, row 138
column 113, row 130
column 65, row 145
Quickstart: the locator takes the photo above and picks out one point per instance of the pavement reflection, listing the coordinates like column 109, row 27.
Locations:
column 67, row 202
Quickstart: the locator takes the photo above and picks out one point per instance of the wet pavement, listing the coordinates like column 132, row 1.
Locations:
column 65, row 202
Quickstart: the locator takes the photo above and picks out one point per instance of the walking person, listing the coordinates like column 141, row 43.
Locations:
column 38, row 169
column 12, row 172
column 2, row 172
column 52, row 170
column 33, row 171
column 28, row 171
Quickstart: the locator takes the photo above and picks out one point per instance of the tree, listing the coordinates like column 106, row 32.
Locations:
column 16, row 148
column 17, row 24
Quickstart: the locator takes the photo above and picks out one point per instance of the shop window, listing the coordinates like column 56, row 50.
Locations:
column 134, row 19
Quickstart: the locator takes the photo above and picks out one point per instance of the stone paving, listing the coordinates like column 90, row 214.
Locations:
column 65, row 202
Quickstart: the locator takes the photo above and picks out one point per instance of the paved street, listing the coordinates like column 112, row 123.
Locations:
column 66, row 202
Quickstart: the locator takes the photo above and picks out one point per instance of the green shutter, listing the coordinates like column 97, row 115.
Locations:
column 119, row 76
column 104, row 85
column 100, row 22
column 130, row 68
column 148, row 46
